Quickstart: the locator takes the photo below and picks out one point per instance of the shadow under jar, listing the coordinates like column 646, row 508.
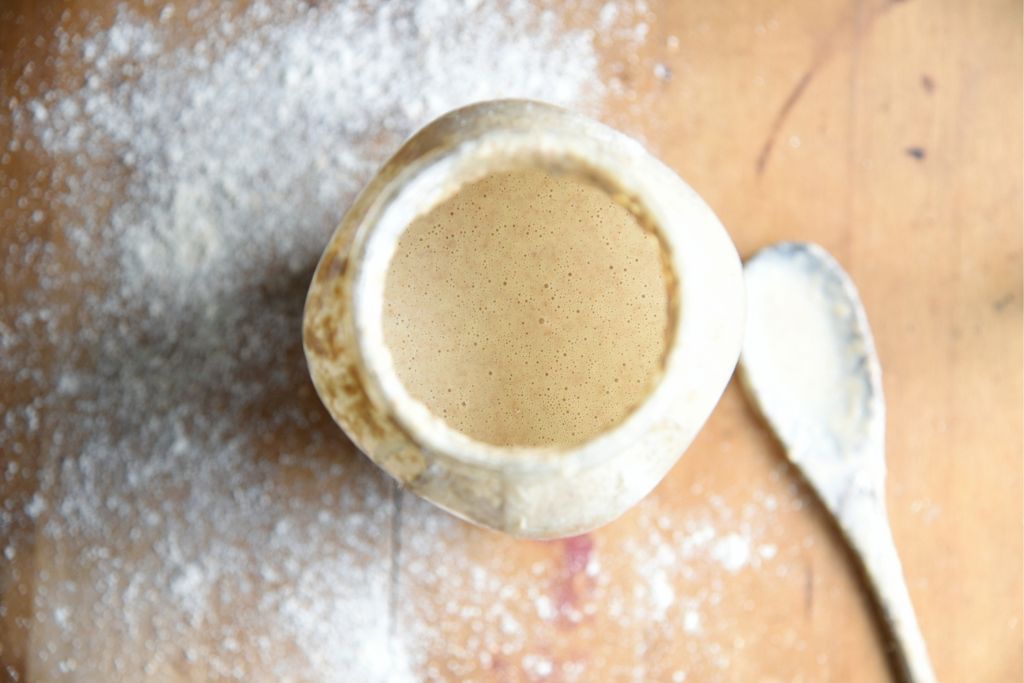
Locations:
column 525, row 318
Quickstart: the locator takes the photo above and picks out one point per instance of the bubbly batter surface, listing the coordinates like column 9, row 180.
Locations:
column 527, row 310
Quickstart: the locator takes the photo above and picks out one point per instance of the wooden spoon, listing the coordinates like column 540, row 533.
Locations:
column 810, row 367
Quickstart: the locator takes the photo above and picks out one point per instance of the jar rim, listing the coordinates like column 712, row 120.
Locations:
column 433, row 179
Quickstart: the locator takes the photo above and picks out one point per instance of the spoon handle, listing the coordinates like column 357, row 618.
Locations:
column 866, row 526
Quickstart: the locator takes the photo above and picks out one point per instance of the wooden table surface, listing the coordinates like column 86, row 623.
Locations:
column 889, row 132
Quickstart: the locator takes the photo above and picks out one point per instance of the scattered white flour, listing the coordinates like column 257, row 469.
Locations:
column 194, row 503
column 691, row 622
column 732, row 552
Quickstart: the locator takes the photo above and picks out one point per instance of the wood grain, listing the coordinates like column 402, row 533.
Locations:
column 889, row 132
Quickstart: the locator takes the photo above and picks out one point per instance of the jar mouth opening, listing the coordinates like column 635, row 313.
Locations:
column 428, row 184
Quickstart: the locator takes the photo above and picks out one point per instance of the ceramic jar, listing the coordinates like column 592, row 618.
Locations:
column 530, row 492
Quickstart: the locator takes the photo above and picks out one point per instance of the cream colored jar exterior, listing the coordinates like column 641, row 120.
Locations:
column 529, row 492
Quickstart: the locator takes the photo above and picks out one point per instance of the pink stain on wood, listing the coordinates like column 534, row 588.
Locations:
column 574, row 582
column 577, row 552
